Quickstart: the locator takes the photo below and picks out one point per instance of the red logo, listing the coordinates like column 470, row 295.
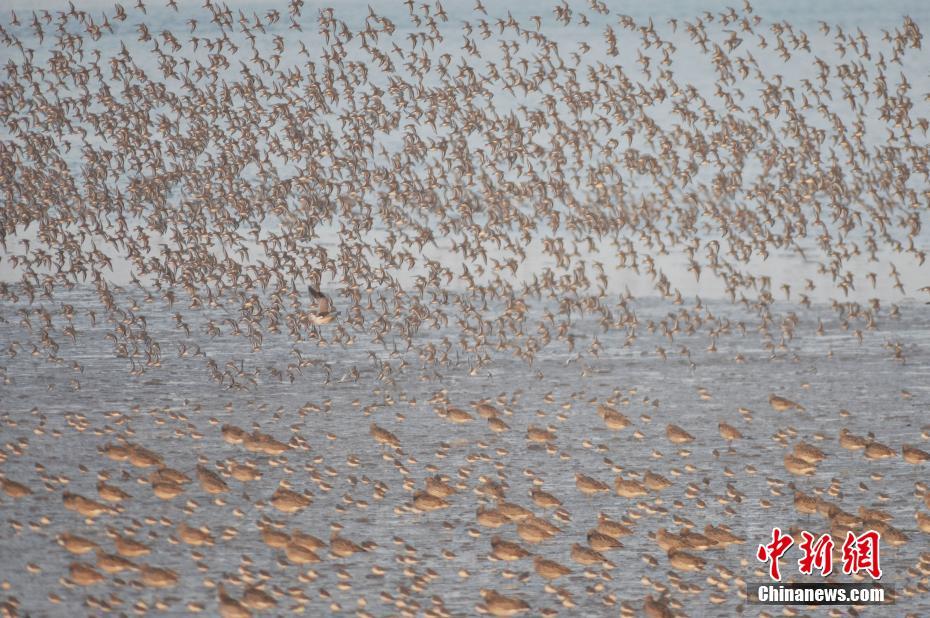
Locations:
column 860, row 553
column 817, row 554
column 773, row 551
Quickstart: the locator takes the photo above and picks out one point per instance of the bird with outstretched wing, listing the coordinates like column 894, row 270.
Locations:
column 323, row 312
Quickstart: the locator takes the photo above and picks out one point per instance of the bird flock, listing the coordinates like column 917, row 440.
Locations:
column 540, row 253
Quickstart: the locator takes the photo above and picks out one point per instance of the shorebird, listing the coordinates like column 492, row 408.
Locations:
column 498, row 604
column 549, row 569
column 781, row 404
column 677, row 435
column 683, row 561
column 322, row 311
column 914, row 455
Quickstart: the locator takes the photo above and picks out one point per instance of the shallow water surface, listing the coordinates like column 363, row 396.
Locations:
column 57, row 418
